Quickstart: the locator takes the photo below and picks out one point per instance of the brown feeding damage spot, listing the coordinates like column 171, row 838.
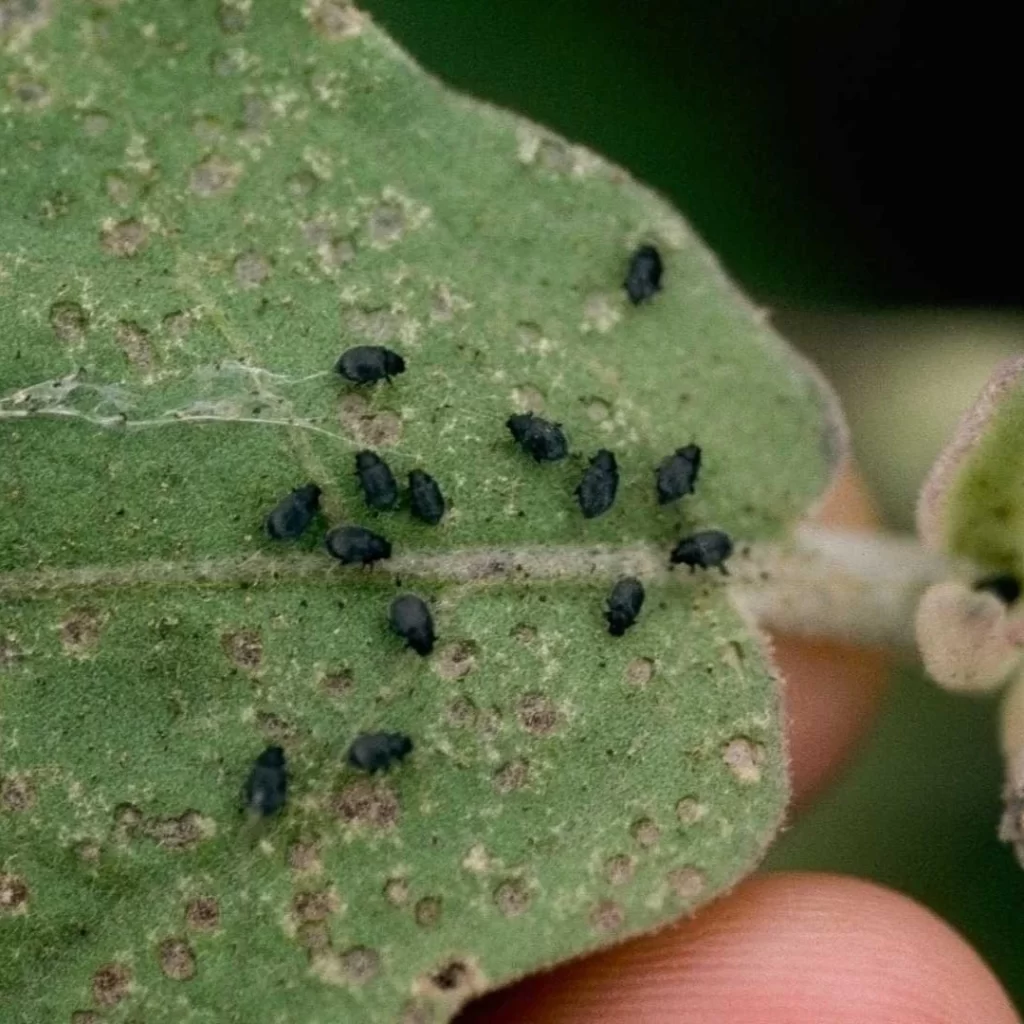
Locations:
column 456, row 660
column 274, row 728
column 512, row 897
column 461, row 713
column 744, row 759
column 20, row 18
column 314, row 906
column 525, row 634
column 512, row 776
column 372, row 429
column 203, row 914
column 184, row 832
column 355, row 966
column 386, row 225
column 110, row 984
column 80, row 632
column 396, row 891
column 690, row 810
column 214, row 176
column 338, row 685
column 176, row 959
column 416, row 1013
column 686, row 883
column 458, row 977
column 619, row 869
column 645, row 832
column 367, row 804
column 85, row 1017
column 537, row 714
column 124, row 238
column 17, row 793
column 607, row 916
column 232, row 17
column 304, row 857
column 428, row 911
column 333, row 19
column 244, row 647
column 133, row 341
column 13, row 894
column 639, row 672
column 314, row 937
column 69, row 322
column 251, row 270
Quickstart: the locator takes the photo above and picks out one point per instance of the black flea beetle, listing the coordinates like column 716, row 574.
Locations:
column 425, row 497
column 412, row 621
column 624, row 604
column 596, row 491
column 377, row 481
column 377, row 751
column 676, row 475
column 356, row 545
column 643, row 279
column 266, row 788
column 707, row 549
column 541, row 438
column 293, row 514
column 367, row 364
column 1003, row 585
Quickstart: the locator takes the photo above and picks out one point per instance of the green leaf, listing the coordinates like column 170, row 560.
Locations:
column 202, row 207
column 972, row 503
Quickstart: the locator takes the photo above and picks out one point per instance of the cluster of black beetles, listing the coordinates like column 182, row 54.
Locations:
column 265, row 789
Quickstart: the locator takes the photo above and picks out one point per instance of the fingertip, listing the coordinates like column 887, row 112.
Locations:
column 783, row 949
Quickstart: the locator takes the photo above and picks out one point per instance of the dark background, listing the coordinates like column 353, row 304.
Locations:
column 843, row 157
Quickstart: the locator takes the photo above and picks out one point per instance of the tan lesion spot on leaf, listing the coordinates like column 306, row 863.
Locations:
column 111, row 984
column 304, row 857
column 366, row 803
column 744, row 759
column 28, row 92
column 537, row 714
column 690, row 810
column 203, row 914
column 512, row 776
column 386, row 225
column 639, row 672
column 335, row 20
column 456, row 660
column 528, row 398
column 19, row 19
column 184, row 832
column 214, row 176
column 512, row 897
column 315, row 905
column 457, row 978
column 352, row 967
column 619, row 869
column 597, row 410
column 645, row 832
column 338, row 685
column 396, row 891
column 374, row 429
column 687, row 883
column 274, row 728
column 233, row 16
column 607, row 916
column 251, row 269
column 177, row 959
column 88, row 851
column 244, row 647
column 461, row 713
column 69, row 322
column 427, row 911
column 80, row 632
column 124, row 238
column 133, row 340
column 14, row 895
column 314, row 937
column 17, row 793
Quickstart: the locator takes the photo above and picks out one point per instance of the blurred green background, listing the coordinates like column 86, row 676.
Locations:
column 850, row 162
